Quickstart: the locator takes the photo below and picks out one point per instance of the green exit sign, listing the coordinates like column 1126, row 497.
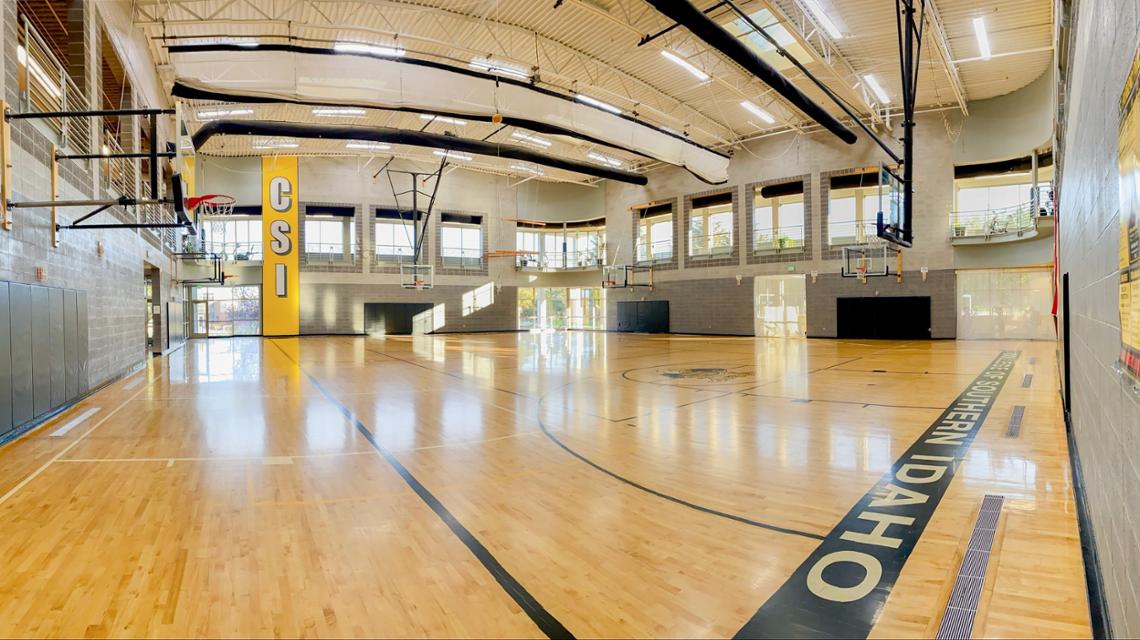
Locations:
column 791, row 268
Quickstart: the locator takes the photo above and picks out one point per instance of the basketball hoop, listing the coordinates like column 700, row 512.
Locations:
column 212, row 204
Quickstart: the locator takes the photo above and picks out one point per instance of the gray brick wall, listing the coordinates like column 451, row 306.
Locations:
column 717, row 306
column 339, row 307
column 939, row 285
column 1105, row 411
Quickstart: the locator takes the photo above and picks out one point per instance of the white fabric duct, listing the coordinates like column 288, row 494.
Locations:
column 385, row 83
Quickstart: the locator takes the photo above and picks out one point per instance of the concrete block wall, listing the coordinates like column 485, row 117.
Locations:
column 714, row 306
column 339, row 307
column 1105, row 411
column 829, row 287
column 106, row 264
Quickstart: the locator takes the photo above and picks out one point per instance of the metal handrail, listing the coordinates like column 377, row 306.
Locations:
column 660, row 251
column 45, row 86
column 840, row 234
column 711, row 244
column 560, row 260
column 235, row 251
column 985, row 223
column 783, row 238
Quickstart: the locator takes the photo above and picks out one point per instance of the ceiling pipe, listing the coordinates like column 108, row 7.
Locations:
column 406, row 137
column 684, row 13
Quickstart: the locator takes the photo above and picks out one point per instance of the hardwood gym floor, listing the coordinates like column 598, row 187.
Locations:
column 530, row 484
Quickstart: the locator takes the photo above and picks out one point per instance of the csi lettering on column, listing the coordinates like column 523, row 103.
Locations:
column 280, row 277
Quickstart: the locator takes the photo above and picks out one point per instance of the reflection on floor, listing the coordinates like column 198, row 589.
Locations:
column 529, row 484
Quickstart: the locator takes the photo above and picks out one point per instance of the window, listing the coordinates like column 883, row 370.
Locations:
column 655, row 238
column 461, row 244
column 778, row 223
column 394, row 240
column 529, row 241
column 561, row 248
column 1001, row 203
column 234, row 237
column 710, row 226
column 852, row 214
column 330, row 235
column 556, row 308
column 231, row 311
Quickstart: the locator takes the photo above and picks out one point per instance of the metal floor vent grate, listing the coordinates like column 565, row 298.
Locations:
column 958, row 620
column 1015, row 419
column 1027, row 380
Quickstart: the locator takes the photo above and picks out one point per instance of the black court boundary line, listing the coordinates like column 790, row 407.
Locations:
column 546, row 622
column 792, row 610
column 692, row 505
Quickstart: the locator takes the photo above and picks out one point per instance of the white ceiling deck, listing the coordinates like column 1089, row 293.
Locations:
column 591, row 46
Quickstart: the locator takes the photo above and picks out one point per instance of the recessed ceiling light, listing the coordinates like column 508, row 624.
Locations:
column 338, row 112
column 455, row 121
column 877, row 89
column 594, row 102
column 983, row 38
column 454, row 155
column 686, row 65
column 222, row 113
column 499, row 68
column 376, row 50
column 758, row 112
column 823, row 19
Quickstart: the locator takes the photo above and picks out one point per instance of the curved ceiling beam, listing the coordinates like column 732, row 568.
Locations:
column 386, row 82
column 685, row 14
column 190, row 90
column 405, row 137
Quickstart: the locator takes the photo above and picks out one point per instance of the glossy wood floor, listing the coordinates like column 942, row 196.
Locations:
column 631, row 485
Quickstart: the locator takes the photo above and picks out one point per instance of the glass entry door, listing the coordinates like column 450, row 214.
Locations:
column 221, row 312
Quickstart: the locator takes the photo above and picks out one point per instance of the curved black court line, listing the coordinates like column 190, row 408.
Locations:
column 532, row 607
column 692, row 505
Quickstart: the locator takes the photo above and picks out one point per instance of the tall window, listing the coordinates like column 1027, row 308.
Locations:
column 560, row 248
column 233, row 237
column 710, row 226
column 778, row 222
column 333, row 235
column 394, row 240
column 1000, row 203
column 529, row 241
column 655, row 237
column 853, row 209
column 461, row 244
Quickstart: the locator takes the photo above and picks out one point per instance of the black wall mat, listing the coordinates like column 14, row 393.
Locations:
column 391, row 318
column 20, row 312
column 884, row 318
column 70, row 344
column 6, row 424
column 41, row 351
column 81, row 343
column 643, row 317
column 58, row 378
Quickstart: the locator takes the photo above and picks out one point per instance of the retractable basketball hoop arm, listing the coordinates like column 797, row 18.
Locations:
column 182, row 221
column 419, row 223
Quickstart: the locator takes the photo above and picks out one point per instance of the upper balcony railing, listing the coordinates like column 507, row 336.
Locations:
column 45, row 86
column 650, row 252
column 561, row 260
column 783, row 239
column 713, row 244
column 988, row 223
column 236, row 251
column 846, row 234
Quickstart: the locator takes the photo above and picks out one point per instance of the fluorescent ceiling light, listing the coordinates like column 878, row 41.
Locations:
column 528, row 169
column 222, row 113
column 367, row 146
column 685, row 64
column 338, row 112
column 454, row 155
column 983, row 38
column 377, row 50
column 604, row 159
column 526, row 137
column 758, row 112
column 823, row 19
column 877, row 89
column 499, row 68
column 275, row 144
column 454, row 121
column 594, row 102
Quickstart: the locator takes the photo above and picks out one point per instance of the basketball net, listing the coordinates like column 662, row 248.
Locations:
column 211, row 204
